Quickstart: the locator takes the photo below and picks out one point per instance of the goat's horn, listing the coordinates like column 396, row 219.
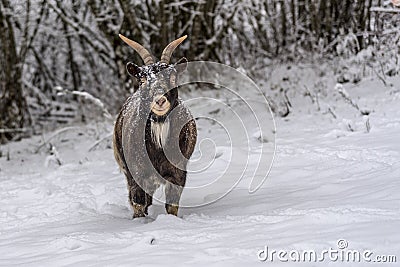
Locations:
column 143, row 53
column 169, row 49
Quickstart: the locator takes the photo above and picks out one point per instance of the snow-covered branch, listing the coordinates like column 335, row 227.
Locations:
column 89, row 97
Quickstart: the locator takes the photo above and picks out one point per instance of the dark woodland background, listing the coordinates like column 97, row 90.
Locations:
column 56, row 56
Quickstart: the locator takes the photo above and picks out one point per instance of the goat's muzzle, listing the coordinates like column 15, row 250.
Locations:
column 160, row 105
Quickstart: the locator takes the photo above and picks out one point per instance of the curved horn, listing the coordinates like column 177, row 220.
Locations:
column 169, row 49
column 143, row 53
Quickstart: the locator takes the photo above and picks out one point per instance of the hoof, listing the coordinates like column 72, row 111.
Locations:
column 172, row 209
column 139, row 211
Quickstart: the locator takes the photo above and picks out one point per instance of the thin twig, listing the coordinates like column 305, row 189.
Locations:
column 14, row 130
column 58, row 132
column 100, row 141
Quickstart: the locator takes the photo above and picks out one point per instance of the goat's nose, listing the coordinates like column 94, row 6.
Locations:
column 161, row 101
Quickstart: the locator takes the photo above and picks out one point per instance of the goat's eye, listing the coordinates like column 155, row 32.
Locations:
column 172, row 80
column 142, row 81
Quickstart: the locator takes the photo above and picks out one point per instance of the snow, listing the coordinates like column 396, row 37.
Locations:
column 327, row 183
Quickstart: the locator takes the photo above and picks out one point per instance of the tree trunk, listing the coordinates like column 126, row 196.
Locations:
column 13, row 107
column 283, row 22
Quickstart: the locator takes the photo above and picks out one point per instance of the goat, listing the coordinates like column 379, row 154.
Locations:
column 154, row 134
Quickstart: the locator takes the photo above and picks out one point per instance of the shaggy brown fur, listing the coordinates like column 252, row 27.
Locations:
column 147, row 162
column 142, row 156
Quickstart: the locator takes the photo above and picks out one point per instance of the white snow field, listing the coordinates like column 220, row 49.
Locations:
column 333, row 186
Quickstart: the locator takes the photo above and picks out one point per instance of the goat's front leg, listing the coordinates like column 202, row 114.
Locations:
column 141, row 200
column 137, row 199
column 173, row 194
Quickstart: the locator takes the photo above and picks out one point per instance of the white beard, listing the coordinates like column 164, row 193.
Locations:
column 159, row 132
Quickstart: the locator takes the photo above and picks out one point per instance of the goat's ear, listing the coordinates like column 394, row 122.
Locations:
column 133, row 69
column 181, row 65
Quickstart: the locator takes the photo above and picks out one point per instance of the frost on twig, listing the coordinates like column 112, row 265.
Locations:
column 339, row 87
column 108, row 137
column 367, row 123
column 14, row 130
column 53, row 158
column 330, row 111
column 385, row 9
column 7, row 155
column 87, row 96
column 313, row 97
column 348, row 125
column 380, row 77
column 315, row 100
column 55, row 134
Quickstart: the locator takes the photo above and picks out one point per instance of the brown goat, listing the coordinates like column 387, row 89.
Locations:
column 155, row 134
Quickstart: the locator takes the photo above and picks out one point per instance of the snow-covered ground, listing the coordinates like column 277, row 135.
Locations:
column 327, row 183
